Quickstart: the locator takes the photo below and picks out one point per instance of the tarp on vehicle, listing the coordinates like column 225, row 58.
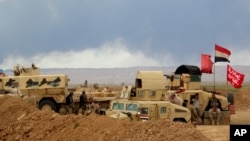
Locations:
column 189, row 69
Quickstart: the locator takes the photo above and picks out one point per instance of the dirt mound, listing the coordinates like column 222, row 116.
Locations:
column 12, row 108
column 23, row 121
column 241, row 98
column 162, row 130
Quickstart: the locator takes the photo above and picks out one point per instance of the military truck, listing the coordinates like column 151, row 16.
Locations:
column 45, row 91
column 188, row 77
column 152, row 87
column 144, row 101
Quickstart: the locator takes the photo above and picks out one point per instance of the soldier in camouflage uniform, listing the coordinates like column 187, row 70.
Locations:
column 215, row 108
column 70, row 103
column 83, row 102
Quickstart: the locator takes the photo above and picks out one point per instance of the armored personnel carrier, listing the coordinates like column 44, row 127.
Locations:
column 46, row 91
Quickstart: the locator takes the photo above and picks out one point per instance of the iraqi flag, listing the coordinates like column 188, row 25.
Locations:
column 234, row 77
column 206, row 63
column 221, row 54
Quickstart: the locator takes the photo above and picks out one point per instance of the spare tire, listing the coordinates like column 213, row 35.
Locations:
column 230, row 98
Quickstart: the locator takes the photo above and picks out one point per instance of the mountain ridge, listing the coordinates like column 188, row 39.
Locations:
column 127, row 75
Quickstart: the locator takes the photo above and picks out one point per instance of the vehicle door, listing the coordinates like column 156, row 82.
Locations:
column 147, row 112
column 164, row 111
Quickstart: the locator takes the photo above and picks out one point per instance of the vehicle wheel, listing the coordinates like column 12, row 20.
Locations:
column 63, row 110
column 179, row 120
column 230, row 98
column 48, row 105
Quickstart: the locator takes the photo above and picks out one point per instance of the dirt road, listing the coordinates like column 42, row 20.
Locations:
column 221, row 132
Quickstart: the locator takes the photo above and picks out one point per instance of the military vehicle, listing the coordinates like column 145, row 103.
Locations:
column 188, row 77
column 152, row 88
column 144, row 101
column 45, row 91
column 148, row 110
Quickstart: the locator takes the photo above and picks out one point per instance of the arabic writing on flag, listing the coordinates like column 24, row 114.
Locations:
column 234, row 77
column 206, row 63
column 221, row 54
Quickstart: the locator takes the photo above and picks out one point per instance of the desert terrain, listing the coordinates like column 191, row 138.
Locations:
column 22, row 121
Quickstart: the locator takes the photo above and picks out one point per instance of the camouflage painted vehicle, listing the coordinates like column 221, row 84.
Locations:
column 48, row 92
column 45, row 91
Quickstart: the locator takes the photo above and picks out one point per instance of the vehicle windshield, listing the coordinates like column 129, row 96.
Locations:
column 131, row 107
column 118, row 106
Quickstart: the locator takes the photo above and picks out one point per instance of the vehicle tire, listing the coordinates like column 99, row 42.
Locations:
column 48, row 105
column 63, row 110
column 230, row 98
column 179, row 120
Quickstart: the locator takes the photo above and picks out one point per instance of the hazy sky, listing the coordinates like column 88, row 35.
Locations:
column 121, row 33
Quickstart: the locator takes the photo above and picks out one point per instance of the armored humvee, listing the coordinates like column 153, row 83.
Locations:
column 45, row 91
column 152, row 88
column 144, row 101
column 188, row 77
column 148, row 110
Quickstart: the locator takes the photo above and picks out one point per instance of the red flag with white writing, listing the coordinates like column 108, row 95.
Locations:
column 206, row 63
column 234, row 77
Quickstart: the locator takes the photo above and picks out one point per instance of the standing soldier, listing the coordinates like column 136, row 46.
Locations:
column 70, row 103
column 83, row 102
column 197, row 103
column 195, row 118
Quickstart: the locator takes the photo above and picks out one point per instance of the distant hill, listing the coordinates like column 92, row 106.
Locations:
column 118, row 76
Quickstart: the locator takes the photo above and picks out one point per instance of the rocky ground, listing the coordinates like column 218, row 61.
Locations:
column 23, row 121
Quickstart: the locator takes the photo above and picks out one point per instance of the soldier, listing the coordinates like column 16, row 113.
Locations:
column 90, row 105
column 83, row 102
column 95, row 107
column 70, row 103
column 215, row 108
column 175, row 99
column 195, row 118
column 197, row 103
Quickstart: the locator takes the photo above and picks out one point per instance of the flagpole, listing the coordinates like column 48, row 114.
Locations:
column 214, row 70
column 227, row 80
column 214, row 77
column 227, row 86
